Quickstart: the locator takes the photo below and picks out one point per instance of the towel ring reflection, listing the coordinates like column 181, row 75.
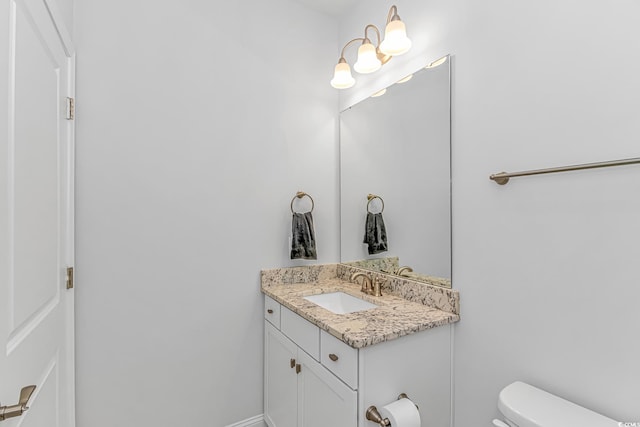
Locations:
column 300, row 195
column 370, row 198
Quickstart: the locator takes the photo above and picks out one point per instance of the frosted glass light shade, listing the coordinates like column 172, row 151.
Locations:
column 368, row 61
column 342, row 78
column 395, row 40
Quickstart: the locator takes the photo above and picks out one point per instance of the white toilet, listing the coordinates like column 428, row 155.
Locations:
column 526, row 406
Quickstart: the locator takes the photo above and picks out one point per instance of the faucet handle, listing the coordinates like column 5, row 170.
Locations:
column 376, row 290
column 367, row 283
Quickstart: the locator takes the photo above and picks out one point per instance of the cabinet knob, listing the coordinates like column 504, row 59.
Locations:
column 293, row 363
column 270, row 311
column 333, row 357
column 298, row 368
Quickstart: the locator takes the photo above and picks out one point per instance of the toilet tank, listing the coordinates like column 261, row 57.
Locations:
column 526, row 406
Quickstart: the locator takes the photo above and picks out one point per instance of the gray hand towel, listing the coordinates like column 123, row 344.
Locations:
column 375, row 233
column 303, row 239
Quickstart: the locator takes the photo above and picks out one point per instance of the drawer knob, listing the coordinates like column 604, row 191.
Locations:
column 270, row 311
column 333, row 357
column 293, row 363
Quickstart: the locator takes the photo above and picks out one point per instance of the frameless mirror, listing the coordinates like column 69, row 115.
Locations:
column 397, row 147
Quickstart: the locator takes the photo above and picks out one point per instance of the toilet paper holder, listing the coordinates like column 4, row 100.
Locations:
column 372, row 413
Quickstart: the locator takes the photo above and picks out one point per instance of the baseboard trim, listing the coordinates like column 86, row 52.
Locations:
column 257, row 421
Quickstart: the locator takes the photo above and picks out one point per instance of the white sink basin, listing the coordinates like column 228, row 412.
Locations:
column 340, row 303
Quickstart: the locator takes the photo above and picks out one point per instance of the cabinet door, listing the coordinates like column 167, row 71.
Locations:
column 280, row 379
column 323, row 400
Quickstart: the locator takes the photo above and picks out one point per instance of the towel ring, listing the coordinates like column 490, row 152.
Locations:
column 300, row 195
column 370, row 198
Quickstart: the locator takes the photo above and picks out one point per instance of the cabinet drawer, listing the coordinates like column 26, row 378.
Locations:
column 339, row 358
column 272, row 311
column 305, row 334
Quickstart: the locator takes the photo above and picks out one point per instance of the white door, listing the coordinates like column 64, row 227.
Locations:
column 36, row 206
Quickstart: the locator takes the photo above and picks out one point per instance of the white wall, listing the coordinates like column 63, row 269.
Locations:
column 191, row 145
column 65, row 8
column 546, row 266
column 196, row 124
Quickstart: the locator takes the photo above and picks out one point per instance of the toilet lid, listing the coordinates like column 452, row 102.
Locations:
column 528, row 406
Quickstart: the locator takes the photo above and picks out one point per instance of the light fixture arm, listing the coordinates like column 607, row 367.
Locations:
column 393, row 14
column 377, row 33
column 359, row 39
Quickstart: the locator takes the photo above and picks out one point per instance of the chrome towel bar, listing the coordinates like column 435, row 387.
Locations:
column 503, row 177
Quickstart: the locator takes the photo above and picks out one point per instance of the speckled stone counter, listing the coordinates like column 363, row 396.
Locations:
column 388, row 264
column 395, row 316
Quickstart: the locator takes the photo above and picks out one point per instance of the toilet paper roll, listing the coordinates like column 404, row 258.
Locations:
column 401, row 413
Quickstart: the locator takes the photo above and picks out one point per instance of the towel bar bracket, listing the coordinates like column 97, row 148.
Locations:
column 499, row 178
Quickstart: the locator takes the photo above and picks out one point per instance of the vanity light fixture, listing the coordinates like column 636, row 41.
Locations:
column 342, row 78
column 368, row 61
column 371, row 58
column 395, row 40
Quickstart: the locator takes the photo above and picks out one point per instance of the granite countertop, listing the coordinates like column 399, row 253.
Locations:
column 394, row 317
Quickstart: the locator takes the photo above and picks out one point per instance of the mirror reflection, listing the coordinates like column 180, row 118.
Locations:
column 395, row 180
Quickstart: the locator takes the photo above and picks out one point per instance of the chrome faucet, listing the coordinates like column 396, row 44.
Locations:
column 367, row 284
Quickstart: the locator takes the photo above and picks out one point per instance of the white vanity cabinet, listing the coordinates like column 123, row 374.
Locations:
column 323, row 400
column 280, row 379
column 299, row 391
column 314, row 379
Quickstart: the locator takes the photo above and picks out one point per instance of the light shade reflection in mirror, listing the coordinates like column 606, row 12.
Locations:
column 397, row 146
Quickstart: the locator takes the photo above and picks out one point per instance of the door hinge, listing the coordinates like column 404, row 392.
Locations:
column 69, row 277
column 71, row 108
